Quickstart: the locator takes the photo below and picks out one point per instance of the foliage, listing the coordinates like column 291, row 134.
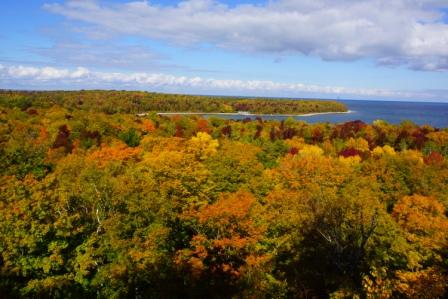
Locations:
column 111, row 102
column 96, row 202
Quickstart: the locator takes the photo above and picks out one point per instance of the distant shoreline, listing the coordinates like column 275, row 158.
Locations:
column 247, row 114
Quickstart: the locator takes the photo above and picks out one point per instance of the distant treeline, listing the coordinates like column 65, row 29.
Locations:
column 112, row 102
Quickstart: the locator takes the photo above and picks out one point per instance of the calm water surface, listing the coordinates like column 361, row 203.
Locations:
column 434, row 114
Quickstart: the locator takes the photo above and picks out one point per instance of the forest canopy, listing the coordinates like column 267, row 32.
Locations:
column 139, row 102
column 96, row 202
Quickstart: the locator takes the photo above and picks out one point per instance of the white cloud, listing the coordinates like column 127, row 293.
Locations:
column 47, row 77
column 42, row 74
column 409, row 32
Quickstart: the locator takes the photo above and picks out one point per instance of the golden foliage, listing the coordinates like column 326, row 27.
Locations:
column 385, row 150
column 115, row 152
column 425, row 284
column 359, row 144
column 311, row 151
column 424, row 220
column 203, row 145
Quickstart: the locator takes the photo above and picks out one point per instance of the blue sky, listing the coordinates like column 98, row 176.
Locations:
column 366, row 49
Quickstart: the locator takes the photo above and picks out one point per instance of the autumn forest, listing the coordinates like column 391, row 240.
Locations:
column 98, row 202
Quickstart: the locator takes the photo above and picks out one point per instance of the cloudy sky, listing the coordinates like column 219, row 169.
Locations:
column 357, row 49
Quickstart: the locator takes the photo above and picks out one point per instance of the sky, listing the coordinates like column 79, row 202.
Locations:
column 336, row 49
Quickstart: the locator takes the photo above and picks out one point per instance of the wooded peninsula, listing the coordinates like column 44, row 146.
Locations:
column 111, row 102
column 96, row 202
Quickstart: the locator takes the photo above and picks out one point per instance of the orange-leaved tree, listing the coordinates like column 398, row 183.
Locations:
column 223, row 251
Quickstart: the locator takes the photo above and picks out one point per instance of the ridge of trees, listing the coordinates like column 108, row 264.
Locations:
column 111, row 102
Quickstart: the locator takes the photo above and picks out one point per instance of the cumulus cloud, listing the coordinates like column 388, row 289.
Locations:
column 42, row 74
column 45, row 77
column 399, row 32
